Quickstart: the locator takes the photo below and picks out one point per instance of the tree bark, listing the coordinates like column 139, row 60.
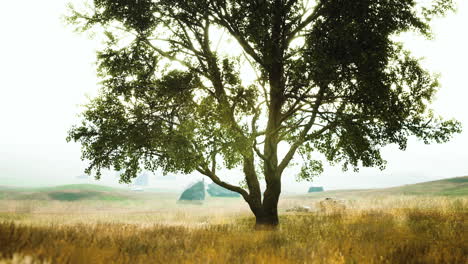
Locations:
column 266, row 219
column 267, row 213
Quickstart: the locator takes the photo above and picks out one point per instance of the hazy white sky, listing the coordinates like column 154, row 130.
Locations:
column 46, row 70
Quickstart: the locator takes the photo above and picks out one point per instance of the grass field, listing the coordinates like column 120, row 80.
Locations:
column 153, row 228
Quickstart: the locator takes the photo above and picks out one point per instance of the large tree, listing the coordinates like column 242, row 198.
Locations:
column 330, row 79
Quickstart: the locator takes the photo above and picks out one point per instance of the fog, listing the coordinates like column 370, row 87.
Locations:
column 47, row 71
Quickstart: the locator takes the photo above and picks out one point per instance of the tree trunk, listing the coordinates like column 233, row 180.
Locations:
column 266, row 219
column 267, row 214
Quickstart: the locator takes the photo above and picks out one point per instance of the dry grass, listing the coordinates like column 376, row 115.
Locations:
column 375, row 230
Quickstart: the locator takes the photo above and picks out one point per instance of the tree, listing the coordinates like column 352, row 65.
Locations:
column 331, row 78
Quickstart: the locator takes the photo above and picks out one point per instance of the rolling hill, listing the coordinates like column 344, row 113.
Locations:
column 452, row 187
column 72, row 192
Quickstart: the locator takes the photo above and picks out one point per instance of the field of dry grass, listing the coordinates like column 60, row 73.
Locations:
column 396, row 229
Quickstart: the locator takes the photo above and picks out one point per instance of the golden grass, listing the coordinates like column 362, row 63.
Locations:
column 376, row 230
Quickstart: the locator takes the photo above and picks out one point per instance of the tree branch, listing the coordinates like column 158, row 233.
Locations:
column 223, row 21
column 218, row 181
column 167, row 55
column 303, row 134
column 315, row 14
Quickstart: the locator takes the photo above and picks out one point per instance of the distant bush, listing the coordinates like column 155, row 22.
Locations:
column 217, row 191
column 315, row 189
column 196, row 192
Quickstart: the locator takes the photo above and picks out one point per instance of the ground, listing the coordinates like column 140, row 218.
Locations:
column 382, row 227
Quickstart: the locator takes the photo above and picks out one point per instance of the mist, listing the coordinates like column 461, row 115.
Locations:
column 48, row 71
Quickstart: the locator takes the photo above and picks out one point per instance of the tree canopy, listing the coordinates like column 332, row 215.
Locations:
column 329, row 77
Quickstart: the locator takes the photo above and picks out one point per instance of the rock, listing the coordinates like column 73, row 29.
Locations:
column 330, row 205
column 196, row 192
column 217, row 191
column 315, row 189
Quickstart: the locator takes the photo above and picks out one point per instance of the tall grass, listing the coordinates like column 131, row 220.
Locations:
column 377, row 230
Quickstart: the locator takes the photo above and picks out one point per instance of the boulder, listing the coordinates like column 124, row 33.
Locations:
column 300, row 209
column 195, row 192
column 217, row 191
column 330, row 205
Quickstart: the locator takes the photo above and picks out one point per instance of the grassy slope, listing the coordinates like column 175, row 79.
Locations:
column 448, row 187
column 82, row 187
column 72, row 192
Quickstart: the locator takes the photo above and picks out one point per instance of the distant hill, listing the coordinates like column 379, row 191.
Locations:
column 448, row 187
column 453, row 187
column 82, row 187
column 72, row 192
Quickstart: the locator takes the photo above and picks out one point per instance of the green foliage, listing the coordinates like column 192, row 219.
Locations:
column 310, row 167
column 331, row 80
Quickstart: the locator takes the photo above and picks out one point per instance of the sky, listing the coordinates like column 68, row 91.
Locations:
column 47, row 72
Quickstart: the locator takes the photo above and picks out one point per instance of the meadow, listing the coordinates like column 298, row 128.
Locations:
column 387, row 228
